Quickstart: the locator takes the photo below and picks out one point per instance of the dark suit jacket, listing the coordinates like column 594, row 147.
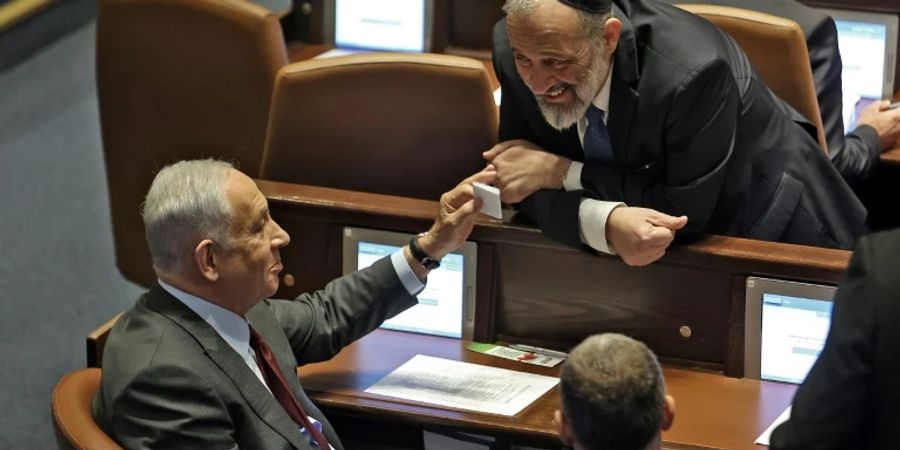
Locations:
column 856, row 153
column 682, row 92
column 170, row 381
column 849, row 399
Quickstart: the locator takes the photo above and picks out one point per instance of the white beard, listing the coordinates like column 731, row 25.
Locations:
column 586, row 87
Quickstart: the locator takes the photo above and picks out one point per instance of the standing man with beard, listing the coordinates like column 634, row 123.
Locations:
column 642, row 104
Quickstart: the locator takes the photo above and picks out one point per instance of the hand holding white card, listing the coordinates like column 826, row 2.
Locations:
column 490, row 199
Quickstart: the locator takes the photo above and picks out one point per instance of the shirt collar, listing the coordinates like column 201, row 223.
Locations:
column 234, row 329
column 602, row 99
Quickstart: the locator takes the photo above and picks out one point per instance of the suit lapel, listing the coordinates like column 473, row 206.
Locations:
column 232, row 365
column 266, row 325
column 623, row 98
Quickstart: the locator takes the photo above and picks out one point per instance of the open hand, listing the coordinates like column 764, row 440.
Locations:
column 456, row 217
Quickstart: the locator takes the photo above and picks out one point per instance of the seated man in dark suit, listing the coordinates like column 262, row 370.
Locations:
column 638, row 102
column 204, row 359
column 849, row 398
column 613, row 396
column 855, row 154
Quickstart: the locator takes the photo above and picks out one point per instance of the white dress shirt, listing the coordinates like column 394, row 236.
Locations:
column 235, row 330
column 592, row 214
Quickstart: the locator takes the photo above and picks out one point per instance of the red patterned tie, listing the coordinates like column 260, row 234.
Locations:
column 277, row 383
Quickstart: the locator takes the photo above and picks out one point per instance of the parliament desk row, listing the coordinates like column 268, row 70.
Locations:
column 688, row 307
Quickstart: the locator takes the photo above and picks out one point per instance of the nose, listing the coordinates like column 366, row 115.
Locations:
column 539, row 80
column 281, row 238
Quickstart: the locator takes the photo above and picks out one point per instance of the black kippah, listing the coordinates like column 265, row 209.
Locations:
column 591, row 6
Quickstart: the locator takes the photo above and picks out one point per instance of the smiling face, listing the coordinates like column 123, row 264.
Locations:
column 249, row 268
column 558, row 59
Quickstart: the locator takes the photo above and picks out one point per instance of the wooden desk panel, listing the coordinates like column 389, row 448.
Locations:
column 556, row 297
column 524, row 277
column 712, row 411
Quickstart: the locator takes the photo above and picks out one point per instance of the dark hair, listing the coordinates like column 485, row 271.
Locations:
column 613, row 393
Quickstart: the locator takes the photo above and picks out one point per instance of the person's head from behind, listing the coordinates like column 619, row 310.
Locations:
column 563, row 51
column 613, row 396
column 210, row 234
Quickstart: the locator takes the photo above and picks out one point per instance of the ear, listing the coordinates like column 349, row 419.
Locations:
column 668, row 412
column 563, row 428
column 611, row 30
column 206, row 259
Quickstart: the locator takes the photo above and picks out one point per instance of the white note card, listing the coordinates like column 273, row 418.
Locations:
column 490, row 199
column 462, row 385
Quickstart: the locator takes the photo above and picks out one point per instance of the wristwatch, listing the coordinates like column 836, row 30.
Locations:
column 420, row 256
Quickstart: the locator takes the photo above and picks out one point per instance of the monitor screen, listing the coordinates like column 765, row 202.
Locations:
column 793, row 334
column 446, row 305
column 785, row 327
column 382, row 25
column 868, row 44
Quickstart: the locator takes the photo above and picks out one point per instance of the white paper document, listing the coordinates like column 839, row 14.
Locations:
column 462, row 385
column 490, row 199
column 763, row 439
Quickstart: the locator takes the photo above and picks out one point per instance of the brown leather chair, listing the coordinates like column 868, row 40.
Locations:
column 178, row 80
column 73, row 420
column 412, row 125
column 777, row 48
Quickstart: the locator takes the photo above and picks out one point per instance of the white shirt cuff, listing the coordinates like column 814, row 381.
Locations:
column 408, row 278
column 592, row 216
column 572, row 181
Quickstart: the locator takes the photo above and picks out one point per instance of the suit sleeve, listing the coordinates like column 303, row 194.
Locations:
column 829, row 408
column 855, row 154
column 697, row 144
column 318, row 325
column 171, row 407
column 858, row 155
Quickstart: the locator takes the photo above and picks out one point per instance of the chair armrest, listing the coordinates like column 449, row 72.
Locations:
column 96, row 340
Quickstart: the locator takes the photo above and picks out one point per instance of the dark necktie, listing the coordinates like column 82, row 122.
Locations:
column 278, row 384
column 597, row 147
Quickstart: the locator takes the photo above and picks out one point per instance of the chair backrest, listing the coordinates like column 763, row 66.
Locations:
column 777, row 48
column 178, row 80
column 73, row 419
column 411, row 125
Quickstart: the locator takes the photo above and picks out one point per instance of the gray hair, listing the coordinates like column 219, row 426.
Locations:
column 186, row 204
column 613, row 393
column 591, row 24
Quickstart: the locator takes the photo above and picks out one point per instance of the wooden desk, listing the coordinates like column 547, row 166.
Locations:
column 712, row 411
column 688, row 307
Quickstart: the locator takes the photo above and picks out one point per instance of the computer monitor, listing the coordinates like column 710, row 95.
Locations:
column 446, row 306
column 379, row 25
column 785, row 327
column 868, row 46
